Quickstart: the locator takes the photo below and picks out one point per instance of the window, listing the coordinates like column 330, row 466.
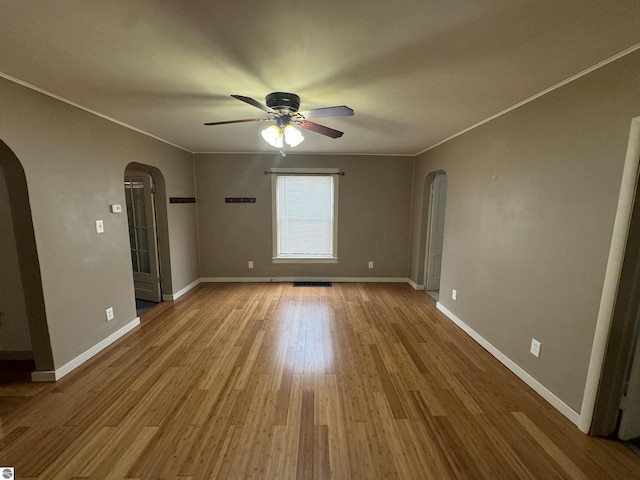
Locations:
column 305, row 207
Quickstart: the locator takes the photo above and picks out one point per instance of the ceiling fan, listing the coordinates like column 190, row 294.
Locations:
column 282, row 108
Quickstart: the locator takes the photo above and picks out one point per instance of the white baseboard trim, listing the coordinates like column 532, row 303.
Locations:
column 540, row 389
column 54, row 375
column 43, row 376
column 175, row 296
column 415, row 285
column 303, row 279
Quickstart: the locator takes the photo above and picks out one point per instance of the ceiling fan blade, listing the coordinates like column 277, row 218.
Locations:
column 238, row 121
column 337, row 111
column 321, row 129
column 255, row 103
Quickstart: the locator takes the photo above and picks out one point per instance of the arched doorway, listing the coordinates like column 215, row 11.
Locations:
column 148, row 233
column 20, row 268
column 432, row 236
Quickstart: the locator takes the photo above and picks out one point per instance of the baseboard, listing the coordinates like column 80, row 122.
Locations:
column 540, row 389
column 54, row 375
column 415, row 285
column 16, row 355
column 43, row 376
column 171, row 298
column 303, row 279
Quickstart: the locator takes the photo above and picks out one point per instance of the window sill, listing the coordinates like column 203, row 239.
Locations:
column 304, row 260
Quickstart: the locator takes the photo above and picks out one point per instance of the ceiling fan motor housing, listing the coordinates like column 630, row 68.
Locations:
column 283, row 102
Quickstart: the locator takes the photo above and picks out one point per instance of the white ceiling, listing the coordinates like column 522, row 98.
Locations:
column 415, row 71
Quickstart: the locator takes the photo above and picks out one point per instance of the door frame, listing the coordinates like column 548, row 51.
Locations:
column 424, row 227
column 28, row 261
column 430, row 220
column 618, row 304
column 153, row 278
column 162, row 224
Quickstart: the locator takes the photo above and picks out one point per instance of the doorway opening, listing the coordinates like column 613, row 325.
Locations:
column 144, row 195
column 437, row 197
column 614, row 371
column 24, row 333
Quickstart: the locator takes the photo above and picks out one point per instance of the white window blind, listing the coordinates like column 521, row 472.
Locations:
column 305, row 216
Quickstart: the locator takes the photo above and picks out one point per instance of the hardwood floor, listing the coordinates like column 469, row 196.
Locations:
column 357, row 381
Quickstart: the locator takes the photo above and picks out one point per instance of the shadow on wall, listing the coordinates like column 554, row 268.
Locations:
column 29, row 266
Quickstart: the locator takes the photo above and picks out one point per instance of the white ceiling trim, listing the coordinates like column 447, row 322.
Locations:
column 73, row 104
column 135, row 129
column 315, row 154
column 537, row 95
column 478, row 124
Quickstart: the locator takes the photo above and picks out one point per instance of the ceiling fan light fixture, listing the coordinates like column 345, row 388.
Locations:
column 277, row 136
column 273, row 136
column 292, row 136
column 283, row 110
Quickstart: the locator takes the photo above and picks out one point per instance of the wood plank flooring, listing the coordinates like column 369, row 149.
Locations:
column 268, row 381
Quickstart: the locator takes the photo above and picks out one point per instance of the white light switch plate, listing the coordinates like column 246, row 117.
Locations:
column 99, row 226
column 454, row 294
column 535, row 347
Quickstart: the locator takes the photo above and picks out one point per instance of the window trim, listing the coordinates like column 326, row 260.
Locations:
column 277, row 172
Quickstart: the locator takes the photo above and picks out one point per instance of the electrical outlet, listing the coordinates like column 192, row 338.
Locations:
column 109, row 313
column 535, row 347
column 370, row 264
column 115, row 208
column 454, row 294
column 99, row 226
column 250, row 263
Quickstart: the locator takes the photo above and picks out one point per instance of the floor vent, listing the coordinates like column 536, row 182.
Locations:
column 312, row 284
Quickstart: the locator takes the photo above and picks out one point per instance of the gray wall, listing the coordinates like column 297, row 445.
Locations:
column 14, row 324
column 373, row 217
column 531, row 202
column 74, row 165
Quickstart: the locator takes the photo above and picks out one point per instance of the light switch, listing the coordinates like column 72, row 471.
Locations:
column 99, row 226
column 116, row 208
column 535, row 347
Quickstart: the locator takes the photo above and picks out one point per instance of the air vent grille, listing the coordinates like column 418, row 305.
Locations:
column 312, row 284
